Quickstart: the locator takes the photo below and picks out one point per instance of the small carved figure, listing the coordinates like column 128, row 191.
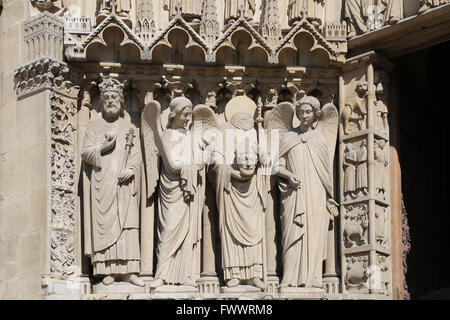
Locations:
column 355, row 108
column 428, row 4
column 361, row 169
column 354, row 14
column 350, row 160
column 356, row 277
column 381, row 109
column 113, row 164
column 380, row 168
column 191, row 10
column 122, row 8
column 356, row 225
column 380, row 217
column 368, row 15
column 393, row 11
column 232, row 8
column 315, row 10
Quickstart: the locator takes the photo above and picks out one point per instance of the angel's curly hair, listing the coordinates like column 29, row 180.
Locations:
column 311, row 101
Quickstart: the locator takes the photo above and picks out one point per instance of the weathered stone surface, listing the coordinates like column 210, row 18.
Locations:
column 274, row 86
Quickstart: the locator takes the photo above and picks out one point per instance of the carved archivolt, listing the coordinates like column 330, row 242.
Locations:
column 77, row 50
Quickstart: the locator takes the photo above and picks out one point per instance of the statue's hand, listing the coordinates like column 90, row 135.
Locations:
column 236, row 174
column 126, row 175
column 110, row 141
column 332, row 207
column 294, row 182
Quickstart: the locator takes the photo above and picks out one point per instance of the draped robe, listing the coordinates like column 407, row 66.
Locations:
column 316, row 10
column 350, row 171
column 241, row 207
column 113, row 216
column 231, row 10
column 304, row 216
column 180, row 206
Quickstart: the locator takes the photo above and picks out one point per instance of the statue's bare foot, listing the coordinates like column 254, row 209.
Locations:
column 134, row 279
column 233, row 283
column 257, row 282
column 157, row 283
column 108, row 280
column 394, row 20
column 189, row 282
column 424, row 8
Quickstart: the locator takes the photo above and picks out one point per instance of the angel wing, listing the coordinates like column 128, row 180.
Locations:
column 151, row 129
column 280, row 118
column 205, row 131
column 328, row 126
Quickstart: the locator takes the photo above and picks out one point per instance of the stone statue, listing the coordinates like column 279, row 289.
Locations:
column 122, row 8
column 428, row 4
column 355, row 16
column 232, row 8
column 113, row 164
column 393, row 11
column 355, row 108
column 58, row 7
column 305, row 168
column 361, row 169
column 350, row 159
column 368, row 15
column 381, row 110
column 191, row 9
column 181, row 189
column 380, row 167
column 315, row 10
column 240, row 199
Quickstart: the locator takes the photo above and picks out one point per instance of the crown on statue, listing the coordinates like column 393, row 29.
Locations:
column 111, row 85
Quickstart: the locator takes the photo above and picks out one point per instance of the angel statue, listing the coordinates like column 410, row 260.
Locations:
column 241, row 202
column 112, row 162
column 305, row 170
column 181, row 187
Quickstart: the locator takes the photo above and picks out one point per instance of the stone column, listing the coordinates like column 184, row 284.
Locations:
column 43, row 84
column 365, row 212
column 209, row 282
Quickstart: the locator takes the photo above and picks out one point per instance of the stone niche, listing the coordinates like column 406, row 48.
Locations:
column 130, row 218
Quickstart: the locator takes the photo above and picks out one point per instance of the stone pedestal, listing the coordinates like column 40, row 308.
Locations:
column 296, row 293
column 208, row 286
column 242, row 292
column 117, row 287
column 174, row 292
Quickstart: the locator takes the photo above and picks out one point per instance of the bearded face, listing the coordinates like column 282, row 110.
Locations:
column 247, row 164
column 111, row 104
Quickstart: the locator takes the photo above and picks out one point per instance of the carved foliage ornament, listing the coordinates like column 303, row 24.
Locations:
column 63, row 164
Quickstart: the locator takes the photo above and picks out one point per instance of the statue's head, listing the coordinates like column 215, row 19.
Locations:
column 381, row 143
column 112, row 103
column 361, row 87
column 308, row 111
column 349, row 146
column 246, row 162
column 180, row 113
column 363, row 143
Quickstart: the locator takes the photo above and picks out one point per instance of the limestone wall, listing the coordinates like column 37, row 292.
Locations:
column 23, row 164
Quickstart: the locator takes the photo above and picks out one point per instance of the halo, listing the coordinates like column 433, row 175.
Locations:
column 240, row 104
